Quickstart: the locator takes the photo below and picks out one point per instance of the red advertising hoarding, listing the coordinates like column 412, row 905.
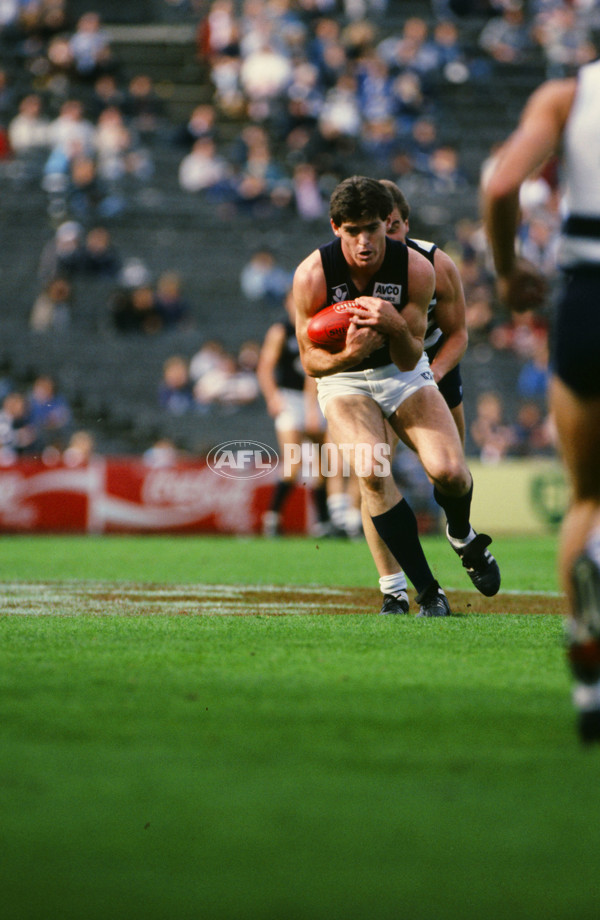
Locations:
column 121, row 495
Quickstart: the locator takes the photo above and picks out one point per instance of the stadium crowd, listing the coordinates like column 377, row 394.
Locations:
column 319, row 89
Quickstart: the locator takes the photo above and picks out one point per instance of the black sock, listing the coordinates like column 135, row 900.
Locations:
column 398, row 530
column 320, row 499
column 458, row 512
column 280, row 494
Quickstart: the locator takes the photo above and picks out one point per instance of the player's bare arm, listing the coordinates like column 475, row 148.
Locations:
column 537, row 137
column 406, row 341
column 265, row 371
column 310, row 295
column 449, row 314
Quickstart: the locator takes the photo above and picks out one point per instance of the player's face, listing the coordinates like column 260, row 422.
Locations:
column 363, row 241
column 397, row 227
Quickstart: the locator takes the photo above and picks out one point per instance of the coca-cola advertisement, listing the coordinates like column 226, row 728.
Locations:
column 120, row 495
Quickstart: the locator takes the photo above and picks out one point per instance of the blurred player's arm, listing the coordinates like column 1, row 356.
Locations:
column 520, row 286
column 270, row 354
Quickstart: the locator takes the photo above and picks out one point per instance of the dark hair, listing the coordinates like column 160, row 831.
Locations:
column 359, row 198
column 398, row 198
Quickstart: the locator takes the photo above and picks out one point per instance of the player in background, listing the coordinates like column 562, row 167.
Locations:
column 381, row 373
column 445, row 343
column 291, row 399
column 564, row 116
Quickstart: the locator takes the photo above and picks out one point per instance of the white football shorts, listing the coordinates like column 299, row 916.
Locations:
column 388, row 386
column 293, row 415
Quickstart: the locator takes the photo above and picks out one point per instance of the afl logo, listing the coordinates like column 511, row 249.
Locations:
column 340, row 293
column 242, row 459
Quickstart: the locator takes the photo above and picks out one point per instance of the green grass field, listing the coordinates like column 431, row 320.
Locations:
column 157, row 761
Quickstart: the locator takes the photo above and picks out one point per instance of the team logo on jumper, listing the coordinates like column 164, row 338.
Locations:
column 340, row 293
column 242, row 459
column 388, row 291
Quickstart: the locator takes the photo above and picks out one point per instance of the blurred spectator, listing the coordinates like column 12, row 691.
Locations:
column 264, row 77
column 203, row 168
column 326, row 50
column 443, row 173
column 413, row 50
column 106, row 93
column 134, row 312
column 118, row 152
column 423, row 141
column 218, row 32
column 89, row 196
column 176, row 392
column 52, row 308
column 565, row 39
column 340, row 117
column 360, row 9
column 200, row 124
column 228, row 384
column 171, row 306
column 209, row 357
column 225, row 75
column 379, row 143
column 100, row 257
column 71, row 131
column 410, row 102
column 163, row 453
column 309, row 201
column 49, row 412
column 304, row 95
column 80, row 450
column 262, row 278
column 143, row 108
column 62, row 256
column 451, row 60
column 248, row 355
column 507, row 38
column 52, row 64
column 28, row 130
column 534, row 376
column 489, row 432
column 90, row 47
column 261, row 185
column 479, row 316
column 539, row 244
column 532, row 433
column 17, row 433
column 135, row 273
column 374, row 88
column 520, row 333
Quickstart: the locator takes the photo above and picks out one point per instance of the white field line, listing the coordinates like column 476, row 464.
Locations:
column 74, row 598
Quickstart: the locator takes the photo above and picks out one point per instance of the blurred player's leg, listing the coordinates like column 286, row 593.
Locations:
column 578, row 424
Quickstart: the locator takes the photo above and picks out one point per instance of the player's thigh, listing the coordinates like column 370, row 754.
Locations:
column 355, row 423
column 354, row 419
column 425, row 423
column 577, row 422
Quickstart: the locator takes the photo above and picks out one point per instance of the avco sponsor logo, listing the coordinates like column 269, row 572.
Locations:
column 242, row 459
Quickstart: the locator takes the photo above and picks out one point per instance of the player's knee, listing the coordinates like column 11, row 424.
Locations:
column 452, row 477
column 371, row 482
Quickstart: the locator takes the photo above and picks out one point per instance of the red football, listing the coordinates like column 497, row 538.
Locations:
column 330, row 325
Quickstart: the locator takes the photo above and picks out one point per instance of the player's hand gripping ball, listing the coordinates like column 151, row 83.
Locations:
column 329, row 326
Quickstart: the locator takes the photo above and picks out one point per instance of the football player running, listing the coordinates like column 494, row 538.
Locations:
column 382, row 375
